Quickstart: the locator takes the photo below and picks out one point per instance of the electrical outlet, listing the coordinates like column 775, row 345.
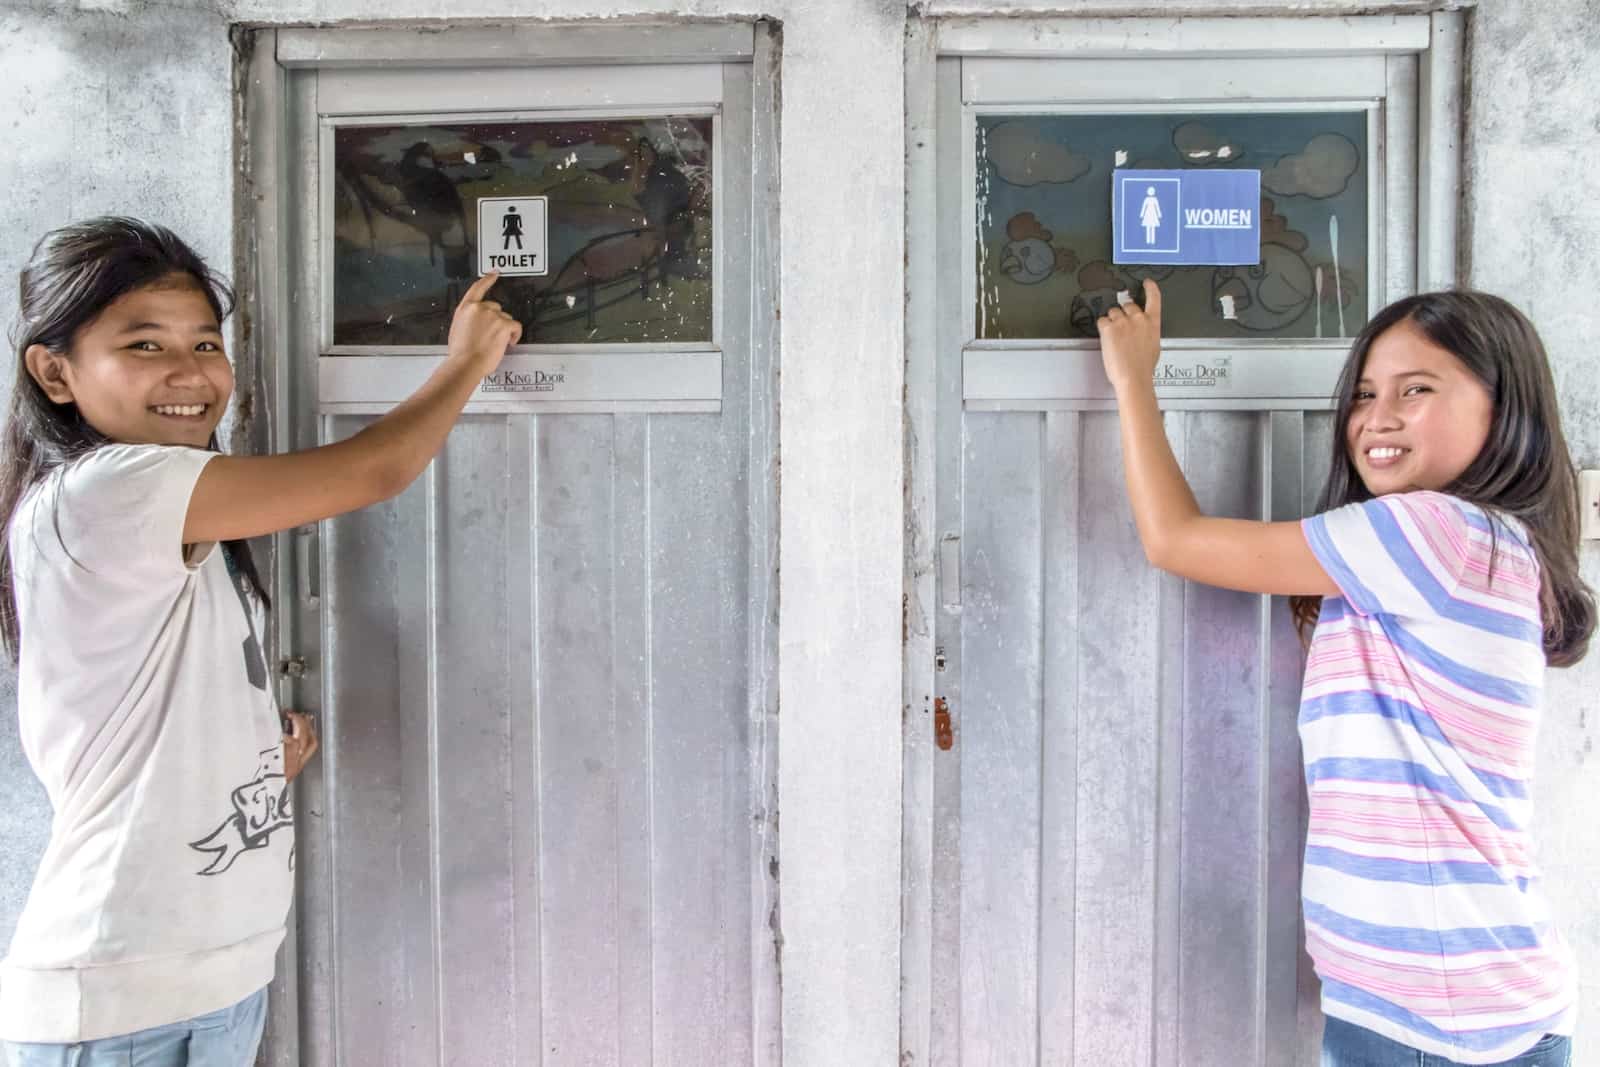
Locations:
column 1589, row 505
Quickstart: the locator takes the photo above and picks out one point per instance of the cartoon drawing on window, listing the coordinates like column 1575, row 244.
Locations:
column 1028, row 257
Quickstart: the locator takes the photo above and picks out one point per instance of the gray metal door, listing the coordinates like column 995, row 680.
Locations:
column 542, row 825
column 1104, row 805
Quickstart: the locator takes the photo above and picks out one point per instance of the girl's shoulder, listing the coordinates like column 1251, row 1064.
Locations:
column 1430, row 511
column 115, row 460
column 117, row 502
column 1409, row 553
column 1497, row 530
column 101, row 476
column 1476, row 564
column 119, row 476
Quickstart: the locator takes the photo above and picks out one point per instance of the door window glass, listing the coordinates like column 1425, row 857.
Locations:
column 629, row 225
column 1044, row 223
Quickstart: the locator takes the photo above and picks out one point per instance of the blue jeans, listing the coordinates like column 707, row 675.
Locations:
column 1347, row 1045
column 226, row 1038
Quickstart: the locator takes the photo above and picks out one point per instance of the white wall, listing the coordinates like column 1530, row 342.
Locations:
column 95, row 124
column 1533, row 147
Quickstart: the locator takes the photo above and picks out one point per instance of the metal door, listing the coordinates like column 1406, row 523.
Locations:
column 543, row 824
column 1104, row 808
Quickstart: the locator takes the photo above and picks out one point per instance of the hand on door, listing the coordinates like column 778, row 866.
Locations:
column 1130, row 340
column 299, row 743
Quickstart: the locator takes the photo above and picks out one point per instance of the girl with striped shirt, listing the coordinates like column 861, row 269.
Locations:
column 1437, row 581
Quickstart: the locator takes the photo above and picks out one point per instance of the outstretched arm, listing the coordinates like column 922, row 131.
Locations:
column 1254, row 557
column 247, row 496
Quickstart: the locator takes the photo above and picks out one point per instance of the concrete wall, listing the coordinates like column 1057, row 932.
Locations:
column 123, row 105
column 1533, row 140
column 97, row 124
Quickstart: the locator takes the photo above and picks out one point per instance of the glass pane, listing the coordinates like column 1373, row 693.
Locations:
column 629, row 228
column 1044, row 223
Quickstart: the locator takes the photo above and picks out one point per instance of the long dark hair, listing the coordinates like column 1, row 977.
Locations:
column 1524, row 470
column 73, row 275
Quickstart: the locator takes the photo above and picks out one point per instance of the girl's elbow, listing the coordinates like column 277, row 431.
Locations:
column 1161, row 554
column 387, row 477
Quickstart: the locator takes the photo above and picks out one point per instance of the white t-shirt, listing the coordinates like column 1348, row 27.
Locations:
column 145, row 710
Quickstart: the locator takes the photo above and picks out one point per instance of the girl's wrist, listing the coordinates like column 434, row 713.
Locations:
column 480, row 364
column 1127, row 387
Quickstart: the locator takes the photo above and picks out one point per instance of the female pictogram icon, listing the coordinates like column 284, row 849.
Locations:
column 1150, row 215
column 511, row 228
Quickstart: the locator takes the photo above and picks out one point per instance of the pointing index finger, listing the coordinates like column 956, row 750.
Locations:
column 480, row 288
column 1152, row 298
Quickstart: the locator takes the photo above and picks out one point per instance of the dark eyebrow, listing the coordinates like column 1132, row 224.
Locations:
column 139, row 327
column 1406, row 374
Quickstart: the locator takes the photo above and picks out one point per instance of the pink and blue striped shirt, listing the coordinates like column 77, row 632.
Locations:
column 1424, row 913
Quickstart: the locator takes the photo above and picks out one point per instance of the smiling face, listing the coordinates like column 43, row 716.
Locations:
column 149, row 369
column 1419, row 416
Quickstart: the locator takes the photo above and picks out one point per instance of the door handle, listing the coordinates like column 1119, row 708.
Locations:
column 950, row 570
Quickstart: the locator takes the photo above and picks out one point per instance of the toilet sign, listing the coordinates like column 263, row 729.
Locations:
column 1193, row 217
column 513, row 235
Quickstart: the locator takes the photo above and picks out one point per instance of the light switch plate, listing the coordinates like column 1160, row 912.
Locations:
column 1589, row 505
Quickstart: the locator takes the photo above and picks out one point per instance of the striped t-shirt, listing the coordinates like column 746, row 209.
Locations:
column 1424, row 912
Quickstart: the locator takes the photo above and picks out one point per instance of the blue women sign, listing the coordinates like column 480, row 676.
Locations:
column 1186, row 217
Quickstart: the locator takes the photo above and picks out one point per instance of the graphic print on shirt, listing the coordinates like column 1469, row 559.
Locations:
column 255, row 661
column 261, row 807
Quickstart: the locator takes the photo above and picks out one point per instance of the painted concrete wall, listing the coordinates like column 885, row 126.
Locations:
column 124, row 105
column 1533, row 140
column 99, row 125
